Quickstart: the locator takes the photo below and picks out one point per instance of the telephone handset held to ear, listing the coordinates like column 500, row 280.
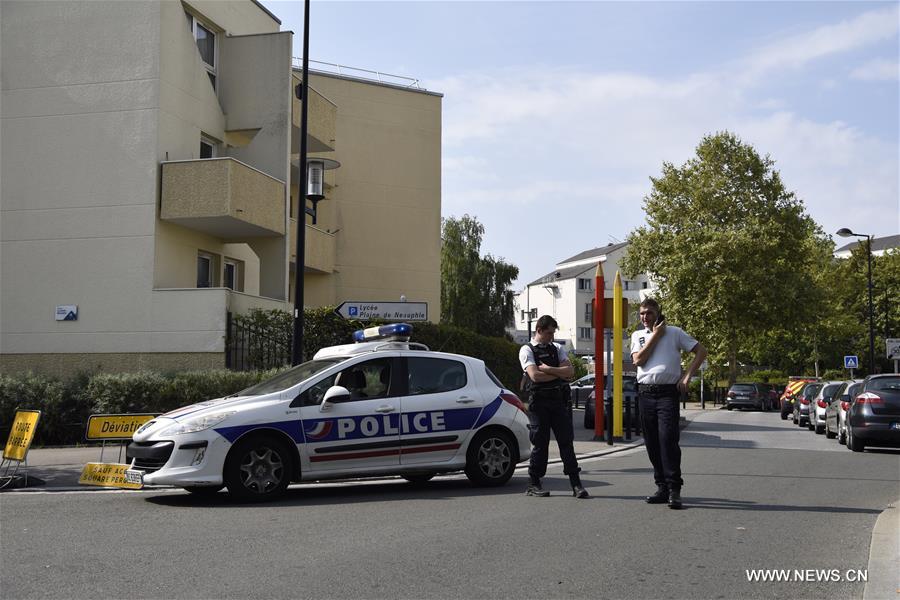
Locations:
column 659, row 319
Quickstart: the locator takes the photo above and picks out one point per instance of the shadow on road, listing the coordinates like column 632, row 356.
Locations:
column 731, row 504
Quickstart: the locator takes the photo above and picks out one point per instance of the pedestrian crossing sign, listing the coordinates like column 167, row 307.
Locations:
column 851, row 362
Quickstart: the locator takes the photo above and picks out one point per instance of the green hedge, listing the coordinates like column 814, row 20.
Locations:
column 66, row 404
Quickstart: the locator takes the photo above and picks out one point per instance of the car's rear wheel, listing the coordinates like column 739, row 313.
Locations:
column 490, row 459
column 258, row 468
column 203, row 490
column 784, row 416
column 854, row 443
column 820, row 429
column 829, row 433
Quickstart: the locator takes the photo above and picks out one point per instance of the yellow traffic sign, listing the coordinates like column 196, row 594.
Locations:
column 21, row 434
column 107, row 475
column 114, row 427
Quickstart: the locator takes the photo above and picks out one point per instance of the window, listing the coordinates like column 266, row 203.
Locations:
column 435, row 375
column 589, row 312
column 585, row 333
column 644, row 285
column 206, row 45
column 585, row 284
column 367, row 380
column 208, row 147
column 206, row 269
column 233, row 274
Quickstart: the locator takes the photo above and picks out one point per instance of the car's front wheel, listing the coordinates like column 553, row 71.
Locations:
column 490, row 459
column 258, row 468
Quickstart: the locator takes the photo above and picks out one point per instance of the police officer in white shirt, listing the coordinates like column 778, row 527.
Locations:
column 656, row 351
column 547, row 369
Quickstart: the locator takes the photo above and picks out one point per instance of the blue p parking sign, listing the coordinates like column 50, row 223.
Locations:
column 851, row 362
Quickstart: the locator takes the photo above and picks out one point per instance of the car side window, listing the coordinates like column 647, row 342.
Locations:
column 314, row 394
column 435, row 375
column 366, row 380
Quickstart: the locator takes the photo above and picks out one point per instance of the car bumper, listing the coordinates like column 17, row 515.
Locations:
column 878, row 432
column 186, row 461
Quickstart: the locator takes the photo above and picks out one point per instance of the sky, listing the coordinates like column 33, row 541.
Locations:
column 556, row 114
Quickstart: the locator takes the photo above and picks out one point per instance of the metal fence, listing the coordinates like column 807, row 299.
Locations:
column 249, row 349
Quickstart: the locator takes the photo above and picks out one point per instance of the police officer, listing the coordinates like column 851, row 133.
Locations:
column 547, row 368
column 656, row 351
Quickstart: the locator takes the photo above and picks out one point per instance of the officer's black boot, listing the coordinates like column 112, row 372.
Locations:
column 675, row 497
column 534, row 489
column 660, row 497
column 577, row 489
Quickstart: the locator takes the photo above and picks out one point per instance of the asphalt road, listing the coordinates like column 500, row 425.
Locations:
column 760, row 494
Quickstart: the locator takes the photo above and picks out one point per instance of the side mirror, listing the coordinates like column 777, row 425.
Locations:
column 335, row 393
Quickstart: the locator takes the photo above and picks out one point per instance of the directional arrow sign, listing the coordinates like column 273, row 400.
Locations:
column 851, row 362
column 388, row 311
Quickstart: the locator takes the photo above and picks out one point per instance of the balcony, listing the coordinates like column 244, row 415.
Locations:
column 320, row 127
column 223, row 197
column 320, row 248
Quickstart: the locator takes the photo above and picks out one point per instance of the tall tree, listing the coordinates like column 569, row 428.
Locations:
column 475, row 290
column 732, row 251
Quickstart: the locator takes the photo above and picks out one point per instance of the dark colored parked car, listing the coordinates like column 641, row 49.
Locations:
column 747, row 395
column 802, row 402
column 874, row 415
column 629, row 390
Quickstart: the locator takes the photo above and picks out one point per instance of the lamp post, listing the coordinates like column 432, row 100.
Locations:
column 844, row 232
column 297, row 337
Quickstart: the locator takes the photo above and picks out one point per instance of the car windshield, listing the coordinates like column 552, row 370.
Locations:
column 291, row 377
column 830, row 389
column 746, row 388
column 854, row 390
column 884, row 383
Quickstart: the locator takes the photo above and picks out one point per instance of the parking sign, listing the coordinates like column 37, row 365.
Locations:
column 851, row 362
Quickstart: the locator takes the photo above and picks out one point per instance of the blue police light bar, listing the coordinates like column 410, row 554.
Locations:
column 395, row 331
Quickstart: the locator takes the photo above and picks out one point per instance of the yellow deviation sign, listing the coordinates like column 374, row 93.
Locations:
column 114, row 427
column 21, row 434
column 106, row 475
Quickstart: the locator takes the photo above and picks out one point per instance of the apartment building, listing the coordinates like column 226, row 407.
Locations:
column 149, row 183
column 567, row 292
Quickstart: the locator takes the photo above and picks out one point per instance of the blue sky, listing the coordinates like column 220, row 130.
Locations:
column 555, row 114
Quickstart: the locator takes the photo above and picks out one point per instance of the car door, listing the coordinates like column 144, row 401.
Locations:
column 438, row 410
column 359, row 434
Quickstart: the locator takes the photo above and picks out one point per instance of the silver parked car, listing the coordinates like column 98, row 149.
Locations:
column 819, row 403
column 802, row 402
column 836, row 412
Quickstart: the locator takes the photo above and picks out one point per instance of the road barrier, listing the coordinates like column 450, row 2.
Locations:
column 118, row 427
column 21, row 434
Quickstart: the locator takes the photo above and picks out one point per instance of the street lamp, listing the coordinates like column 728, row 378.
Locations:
column 844, row 232
column 297, row 337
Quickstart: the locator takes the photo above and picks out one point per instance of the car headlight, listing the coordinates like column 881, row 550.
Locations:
column 197, row 423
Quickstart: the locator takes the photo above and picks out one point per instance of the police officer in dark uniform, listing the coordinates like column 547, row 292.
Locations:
column 547, row 369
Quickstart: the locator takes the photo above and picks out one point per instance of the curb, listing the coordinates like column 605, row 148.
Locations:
column 884, row 556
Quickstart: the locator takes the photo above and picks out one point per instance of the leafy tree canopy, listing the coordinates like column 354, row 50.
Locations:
column 733, row 252
column 475, row 290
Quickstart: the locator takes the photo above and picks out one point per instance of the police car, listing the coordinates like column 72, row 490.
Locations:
column 381, row 406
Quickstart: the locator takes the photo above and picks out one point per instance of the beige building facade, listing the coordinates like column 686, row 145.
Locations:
column 148, row 177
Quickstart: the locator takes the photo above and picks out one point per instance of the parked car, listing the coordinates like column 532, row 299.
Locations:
column 747, row 395
column 802, row 401
column 874, row 415
column 790, row 394
column 836, row 412
column 378, row 407
column 629, row 390
column 582, row 388
column 820, row 402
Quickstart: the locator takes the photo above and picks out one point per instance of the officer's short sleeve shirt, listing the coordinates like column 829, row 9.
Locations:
column 526, row 356
column 664, row 364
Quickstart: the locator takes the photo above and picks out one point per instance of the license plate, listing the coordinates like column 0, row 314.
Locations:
column 134, row 476
column 895, row 425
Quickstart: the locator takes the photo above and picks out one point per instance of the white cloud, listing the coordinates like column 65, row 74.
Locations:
column 796, row 51
column 877, row 70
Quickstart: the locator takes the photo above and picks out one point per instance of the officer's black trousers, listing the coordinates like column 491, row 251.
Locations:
column 546, row 414
column 659, row 420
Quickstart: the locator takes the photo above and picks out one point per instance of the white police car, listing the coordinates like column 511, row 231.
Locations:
column 371, row 408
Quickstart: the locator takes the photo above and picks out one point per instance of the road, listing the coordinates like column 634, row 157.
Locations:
column 760, row 493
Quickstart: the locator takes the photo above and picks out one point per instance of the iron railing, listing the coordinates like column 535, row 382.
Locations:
column 248, row 348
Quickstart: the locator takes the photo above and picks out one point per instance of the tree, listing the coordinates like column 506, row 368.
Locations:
column 475, row 292
column 732, row 251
